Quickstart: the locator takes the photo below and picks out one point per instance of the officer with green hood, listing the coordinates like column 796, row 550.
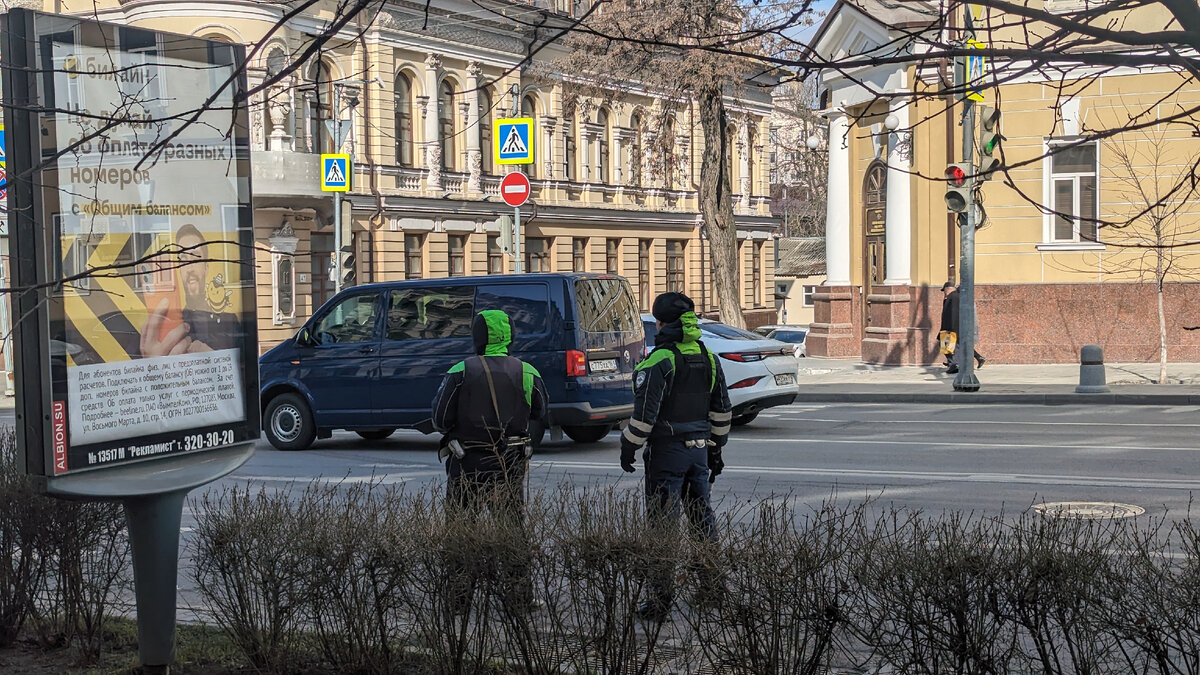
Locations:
column 484, row 407
column 681, row 412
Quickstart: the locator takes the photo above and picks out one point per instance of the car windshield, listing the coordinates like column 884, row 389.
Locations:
column 793, row 336
column 651, row 331
column 729, row 332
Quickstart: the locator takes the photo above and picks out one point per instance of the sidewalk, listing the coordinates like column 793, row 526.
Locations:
column 825, row 380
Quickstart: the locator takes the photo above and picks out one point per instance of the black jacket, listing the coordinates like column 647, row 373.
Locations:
column 465, row 409
column 656, row 398
column 950, row 312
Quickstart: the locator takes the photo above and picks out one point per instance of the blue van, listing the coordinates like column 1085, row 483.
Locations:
column 371, row 359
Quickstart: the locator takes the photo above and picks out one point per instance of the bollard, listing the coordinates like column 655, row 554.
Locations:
column 1091, row 371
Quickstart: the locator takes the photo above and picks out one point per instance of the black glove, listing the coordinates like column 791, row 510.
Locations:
column 627, row 452
column 715, row 464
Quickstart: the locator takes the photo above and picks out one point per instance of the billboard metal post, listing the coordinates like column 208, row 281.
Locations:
column 154, row 522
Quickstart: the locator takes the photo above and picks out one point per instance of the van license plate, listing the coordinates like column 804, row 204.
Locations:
column 786, row 378
column 603, row 366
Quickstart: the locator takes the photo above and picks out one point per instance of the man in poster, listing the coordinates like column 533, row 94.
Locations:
column 196, row 327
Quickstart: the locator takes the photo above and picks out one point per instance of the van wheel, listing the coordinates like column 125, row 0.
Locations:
column 743, row 420
column 289, row 423
column 588, row 434
column 375, row 434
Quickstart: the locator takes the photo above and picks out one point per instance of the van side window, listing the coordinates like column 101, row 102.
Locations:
column 527, row 306
column 430, row 313
column 351, row 320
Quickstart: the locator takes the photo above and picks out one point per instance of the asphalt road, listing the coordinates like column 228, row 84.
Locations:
column 986, row 459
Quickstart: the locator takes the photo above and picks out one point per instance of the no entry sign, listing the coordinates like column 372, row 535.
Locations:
column 515, row 189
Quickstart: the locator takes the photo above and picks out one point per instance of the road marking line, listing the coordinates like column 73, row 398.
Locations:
column 976, row 446
column 939, row 476
column 1022, row 424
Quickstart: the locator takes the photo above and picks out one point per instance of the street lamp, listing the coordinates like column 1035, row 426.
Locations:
column 813, row 142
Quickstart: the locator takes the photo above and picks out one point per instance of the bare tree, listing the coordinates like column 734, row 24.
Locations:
column 800, row 172
column 680, row 50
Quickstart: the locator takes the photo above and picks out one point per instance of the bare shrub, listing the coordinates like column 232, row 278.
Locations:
column 1056, row 573
column 608, row 550
column 772, row 597
column 930, row 594
column 249, row 566
column 23, row 514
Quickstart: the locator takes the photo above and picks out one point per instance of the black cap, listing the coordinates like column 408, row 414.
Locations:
column 668, row 307
column 948, row 285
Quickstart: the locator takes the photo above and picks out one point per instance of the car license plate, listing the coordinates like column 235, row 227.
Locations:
column 786, row 378
column 603, row 366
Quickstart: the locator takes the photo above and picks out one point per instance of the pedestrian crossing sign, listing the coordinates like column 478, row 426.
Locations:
column 512, row 140
column 335, row 173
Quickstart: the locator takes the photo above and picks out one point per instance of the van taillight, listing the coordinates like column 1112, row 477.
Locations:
column 576, row 363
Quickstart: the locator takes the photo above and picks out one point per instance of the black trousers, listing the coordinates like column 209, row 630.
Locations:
column 481, row 485
column 676, row 480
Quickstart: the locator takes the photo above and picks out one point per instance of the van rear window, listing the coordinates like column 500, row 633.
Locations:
column 606, row 306
column 527, row 306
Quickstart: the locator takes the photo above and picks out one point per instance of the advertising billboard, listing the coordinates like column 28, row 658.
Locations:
column 129, row 201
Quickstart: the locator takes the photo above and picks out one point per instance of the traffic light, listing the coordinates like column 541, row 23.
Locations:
column 958, row 187
column 989, row 141
column 505, row 223
column 348, row 267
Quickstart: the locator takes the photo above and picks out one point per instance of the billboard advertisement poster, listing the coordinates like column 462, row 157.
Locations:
column 130, row 203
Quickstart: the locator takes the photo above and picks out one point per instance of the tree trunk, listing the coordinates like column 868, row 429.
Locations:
column 716, row 207
column 1162, row 337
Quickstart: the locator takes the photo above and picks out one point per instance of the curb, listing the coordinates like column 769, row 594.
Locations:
column 961, row 397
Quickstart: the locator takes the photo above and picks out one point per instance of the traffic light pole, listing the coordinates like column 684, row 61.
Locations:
column 336, row 263
column 965, row 380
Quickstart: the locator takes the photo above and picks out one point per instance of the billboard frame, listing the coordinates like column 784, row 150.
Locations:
column 41, row 421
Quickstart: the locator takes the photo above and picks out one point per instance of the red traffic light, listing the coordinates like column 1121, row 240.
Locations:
column 956, row 176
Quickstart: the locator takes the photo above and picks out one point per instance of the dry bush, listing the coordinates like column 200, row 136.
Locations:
column 929, row 595
column 249, row 566
column 608, row 549
column 23, row 514
column 772, row 598
column 1057, row 574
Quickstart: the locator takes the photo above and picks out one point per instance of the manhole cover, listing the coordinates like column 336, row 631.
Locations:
column 1089, row 510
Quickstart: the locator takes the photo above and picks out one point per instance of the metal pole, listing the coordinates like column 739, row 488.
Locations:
column 335, row 263
column 519, row 265
column 5, row 324
column 966, row 380
column 154, row 539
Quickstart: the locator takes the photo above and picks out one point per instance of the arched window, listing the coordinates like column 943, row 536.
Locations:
column 635, row 151
column 404, row 121
column 446, row 124
column 529, row 109
column 276, row 62
column 485, row 130
column 321, row 107
column 604, row 166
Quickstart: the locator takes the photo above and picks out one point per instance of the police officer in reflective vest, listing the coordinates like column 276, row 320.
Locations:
column 681, row 409
column 484, row 408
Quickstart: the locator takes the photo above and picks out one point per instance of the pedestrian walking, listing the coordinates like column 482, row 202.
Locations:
column 682, row 415
column 484, row 408
column 950, row 315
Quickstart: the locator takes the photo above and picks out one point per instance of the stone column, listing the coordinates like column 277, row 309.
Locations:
column 474, row 155
column 899, row 204
column 433, row 145
column 832, row 332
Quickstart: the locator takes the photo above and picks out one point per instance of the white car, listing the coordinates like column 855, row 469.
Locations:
column 760, row 372
column 793, row 335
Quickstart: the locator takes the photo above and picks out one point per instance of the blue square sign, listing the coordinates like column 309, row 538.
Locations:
column 335, row 173
column 512, row 140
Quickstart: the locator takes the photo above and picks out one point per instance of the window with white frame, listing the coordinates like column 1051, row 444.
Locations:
column 806, row 298
column 1072, row 191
